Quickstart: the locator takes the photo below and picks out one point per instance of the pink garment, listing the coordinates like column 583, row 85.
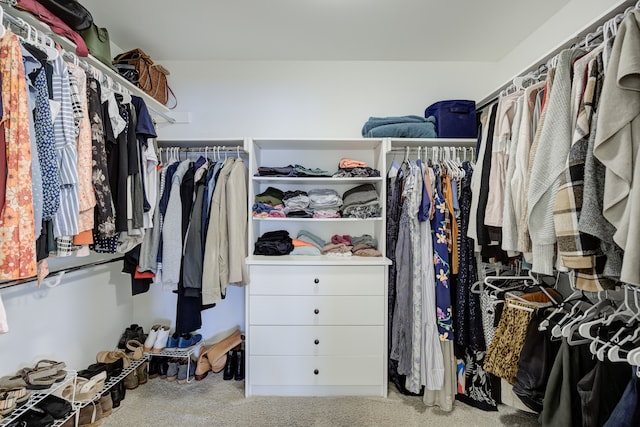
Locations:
column 57, row 26
column 336, row 239
column 350, row 163
column 277, row 214
column 326, row 215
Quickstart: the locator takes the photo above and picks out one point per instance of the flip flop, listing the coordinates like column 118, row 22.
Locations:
column 60, row 374
column 20, row 394
column 7, row 403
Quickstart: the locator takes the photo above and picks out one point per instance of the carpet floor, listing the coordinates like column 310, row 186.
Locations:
column 214, row 401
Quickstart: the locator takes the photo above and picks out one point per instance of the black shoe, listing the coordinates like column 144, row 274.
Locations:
column 154, row 367
column 133, row 332
column 163, row 366
column 116, row 396
column 239, row 374
column 230, row 366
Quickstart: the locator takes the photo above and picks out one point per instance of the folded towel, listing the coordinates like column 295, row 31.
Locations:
column 404, row 130
column 309, row 237
column 381, row 121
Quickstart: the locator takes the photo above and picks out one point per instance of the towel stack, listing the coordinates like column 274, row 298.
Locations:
column 400, row 127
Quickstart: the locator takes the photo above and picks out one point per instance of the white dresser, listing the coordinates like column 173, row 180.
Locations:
column 316, row 325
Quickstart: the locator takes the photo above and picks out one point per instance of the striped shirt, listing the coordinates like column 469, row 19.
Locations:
column 65, row 221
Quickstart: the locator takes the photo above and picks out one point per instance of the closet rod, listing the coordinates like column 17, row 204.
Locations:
column 592, row 30
column 12, row 283
column 66, row 45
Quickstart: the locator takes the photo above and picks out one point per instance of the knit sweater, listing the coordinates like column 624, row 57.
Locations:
column 617, row 145
column 548, row 164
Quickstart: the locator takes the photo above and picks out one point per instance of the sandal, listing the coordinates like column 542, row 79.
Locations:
column 60, row 374
column 20, row 394
column 38, row 379
column 7, row 403
column 84, row 389
column 137, row 350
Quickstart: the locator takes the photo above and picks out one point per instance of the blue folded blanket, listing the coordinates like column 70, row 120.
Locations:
column 404, row 130
column 400, row 127
column 381, row 121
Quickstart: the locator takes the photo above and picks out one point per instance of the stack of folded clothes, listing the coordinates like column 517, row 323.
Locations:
column 309, row 237
column 400, row 127
column 325, row 203
column 300, row 247
column 365, row 245
column 269, row 204
column 361, row 202
column 349, row 168
column 296, row 204
column 292, row 170
column 274, row 243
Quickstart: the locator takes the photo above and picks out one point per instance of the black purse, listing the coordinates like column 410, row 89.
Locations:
column 70, row 12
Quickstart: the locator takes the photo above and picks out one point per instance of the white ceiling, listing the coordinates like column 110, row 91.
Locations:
column 380, row 30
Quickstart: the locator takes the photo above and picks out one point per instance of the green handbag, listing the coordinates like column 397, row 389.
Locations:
column 97, row 40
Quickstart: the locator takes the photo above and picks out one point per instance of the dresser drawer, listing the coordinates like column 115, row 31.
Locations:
column 316, row 310
column 317, row 280
column 316, row 370
column 316, row 340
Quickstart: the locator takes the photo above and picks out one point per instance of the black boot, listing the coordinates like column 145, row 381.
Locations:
column 230, row 366
column 239, row 356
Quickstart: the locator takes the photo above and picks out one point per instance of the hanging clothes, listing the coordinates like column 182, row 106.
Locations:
column 17, row 231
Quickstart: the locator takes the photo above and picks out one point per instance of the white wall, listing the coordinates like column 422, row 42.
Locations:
column 229, row 99
column 570, row 21
column 71, row 322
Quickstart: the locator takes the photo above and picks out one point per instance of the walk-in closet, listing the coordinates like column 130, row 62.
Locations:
column 275, row 213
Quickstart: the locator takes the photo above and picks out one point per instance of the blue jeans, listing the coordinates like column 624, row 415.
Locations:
column 627, row 412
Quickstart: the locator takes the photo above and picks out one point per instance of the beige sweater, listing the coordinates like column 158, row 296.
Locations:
column 617, row 144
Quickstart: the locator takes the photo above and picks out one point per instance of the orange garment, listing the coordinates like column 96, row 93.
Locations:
column 17, row 229
column 297, row 243
column 83, row 238
column 350, row 163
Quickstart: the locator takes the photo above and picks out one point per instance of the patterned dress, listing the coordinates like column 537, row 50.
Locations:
column 17, row 231
column 441, row 265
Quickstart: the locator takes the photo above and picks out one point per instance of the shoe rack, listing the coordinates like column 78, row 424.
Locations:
column 36, row 397
column 179, row 353
column 78, row 405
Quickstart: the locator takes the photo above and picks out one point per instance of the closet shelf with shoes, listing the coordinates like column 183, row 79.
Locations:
column 37, row 396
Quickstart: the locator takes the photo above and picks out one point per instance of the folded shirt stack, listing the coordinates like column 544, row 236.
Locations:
column 309, row 237
column 274, row 243
column 272, row 196
column 324, row 199
column 297, row 204
column 361, row 202
column 336, row 249
column 349, row 168
column 292, row 170
column 300, row 247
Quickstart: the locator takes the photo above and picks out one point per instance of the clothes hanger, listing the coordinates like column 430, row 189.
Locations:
column 615, row 343
column 3, row 29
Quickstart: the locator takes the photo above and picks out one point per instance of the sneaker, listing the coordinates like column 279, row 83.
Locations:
column 188, row 340
column 151, row 338
column 172, row 342
column 161, row 339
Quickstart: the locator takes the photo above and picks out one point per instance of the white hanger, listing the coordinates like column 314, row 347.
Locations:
column 614, row 349
column 3, row 29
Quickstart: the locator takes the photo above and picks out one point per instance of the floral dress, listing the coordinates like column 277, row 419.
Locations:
column 17, row 229
column 441, row 265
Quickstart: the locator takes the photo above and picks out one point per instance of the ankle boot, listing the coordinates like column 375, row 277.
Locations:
column 230, row 366
column 239, row 374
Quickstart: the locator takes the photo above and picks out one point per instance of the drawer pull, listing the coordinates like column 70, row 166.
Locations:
column 316, row 311
column 316, row 372
column 316, row 342
column 316, row 280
